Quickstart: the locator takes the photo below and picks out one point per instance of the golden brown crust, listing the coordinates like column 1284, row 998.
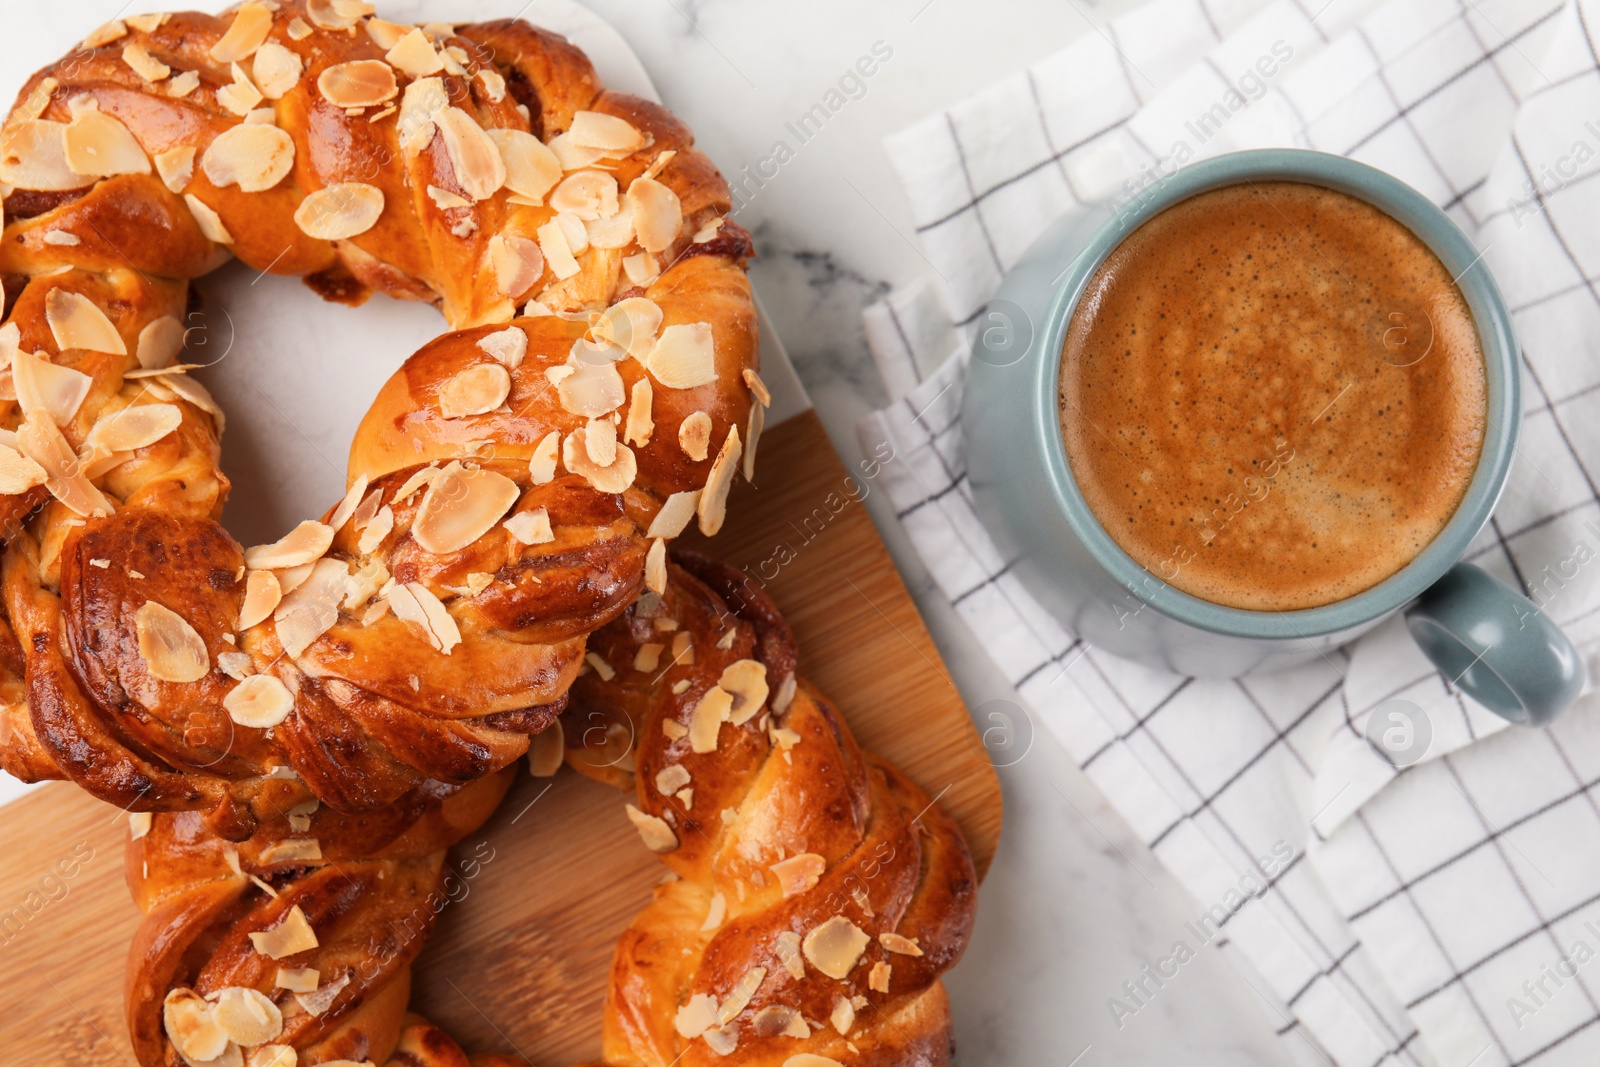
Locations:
column 786, row 783
column 385, row 695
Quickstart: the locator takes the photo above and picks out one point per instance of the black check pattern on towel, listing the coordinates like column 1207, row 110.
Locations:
column 1430, row 916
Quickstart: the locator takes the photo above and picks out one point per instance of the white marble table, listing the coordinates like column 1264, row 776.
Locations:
column 1074, row 906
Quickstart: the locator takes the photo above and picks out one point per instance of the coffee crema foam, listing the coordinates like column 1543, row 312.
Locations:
column 1273, row 396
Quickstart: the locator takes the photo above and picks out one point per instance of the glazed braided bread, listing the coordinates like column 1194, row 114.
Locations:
column 513, row 485
column 295, row 946
column 820, row 893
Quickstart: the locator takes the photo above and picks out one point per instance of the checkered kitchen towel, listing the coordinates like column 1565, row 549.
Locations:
column 1445, row 914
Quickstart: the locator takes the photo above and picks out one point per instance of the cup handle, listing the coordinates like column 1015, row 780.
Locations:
column 1497, row 646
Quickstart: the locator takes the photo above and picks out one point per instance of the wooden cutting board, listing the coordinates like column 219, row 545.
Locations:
column 519, row 963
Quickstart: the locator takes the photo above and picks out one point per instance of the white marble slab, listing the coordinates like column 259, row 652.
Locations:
column 1074, row 906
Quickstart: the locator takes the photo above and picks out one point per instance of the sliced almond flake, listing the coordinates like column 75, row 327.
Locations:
column 39, row 440
column 191, row 1026
column 339, row 212
column 658, row 836
column 247, row 1016
column 183, row 84
column 659, row 164
column 878, row 977
column 843, row 1016
column 709, row 715
column 675, row 730
column 423, row 100
column 35, row 103
column 290, row 936
column 532, row 170
column 674, row 515
column 509, row 346
column 725, row 642
column 713, row 507
column 358, row 83
column 494, row 84
column 587, row 195
column 192, row 391
column 379, row 116
column 171, row 649
column 333, row 15
column 542, row 464
column 632, row 324
column 474, row 391
column 546, row 750
column 640, row 425
column 614, row 231
column 420, row 479
column 33, row 156
column 377, row 610
column 708, row 233
column 557, row 251
column 18, row 473
column 724, row 1041
column 61, row 237
column 139, row 824
column 601, row 667
column 240, row 96
column 777, row 1020
column 413, row 54
column 364, row 584
column 414, row 603
column 600, row 441
column 320, row 1000
column 694, row 436
column 655, row 567
column 657, row 214
column 461, row 506
column 786, row 947
column 176, row 168
column 641, row 269
column 386, row 34
column 531, row 527
column 574, row 156
column 260, row 701
column 291, row 578
column 77, row 322
column 518, row 263
column 683, row 648
column 235, row 665
column 591, row 390
column 43, row 386
column 445, row 200
column 479, row 170
column 299, row 29
column 905, row 946
column 576, row 233
column 741, row 994
column 311, row 609
column 209, row 221
column 758, row 419
column 306, row 542
column 276, row 70
column 684, row 356
column 133, row 428
column 251, row 25
column 297, row 979
column 614, row 477
column 253, row 156
column 799, row 872
column 757, row 386
column 143, row 63
column 609, row 133
column 672, row 778
column 835, row 946
column 115, row 30
column 347, row 506
column 291, row 849
column 746, row 679
column 261, row 599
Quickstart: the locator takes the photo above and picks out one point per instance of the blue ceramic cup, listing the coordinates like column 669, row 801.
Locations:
column 1487, row 639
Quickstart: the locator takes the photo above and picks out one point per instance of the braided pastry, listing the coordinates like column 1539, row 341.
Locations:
column 295, row 946
column 513, row 485
column 820, row 894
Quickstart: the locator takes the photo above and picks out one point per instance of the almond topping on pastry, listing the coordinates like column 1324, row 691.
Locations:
column 339, row 212
column 835, row 946
column 248, row 32
column 33, row 156
column 276, row 70
column 143, row 63
column 99, row 146
column 292, row 849
column 293, row 934
column 159, row 343
column 306, row 542
column 787, row 948
column 192, row 1027
column 694, row 436
column 462, row 505
column 671, row 779
column 905, row 946
column 640, row 424
column 260, row 701
column 607, row 133
column 713, row 506
column 799, row 872
column 478, row 167
column 531, row 527
column 252, row 156
column 843, row 1016
column 746, row 679
column 176, row 168
column 657, row 214
column 542, row 464
column 247, row 1016
column 297, row 979
column 532, row 170
column 171, row 649
column 77, row 322
column 578, row 457
column 658, row 836
column 475, row 391
column 358, row 83
column 684, row 356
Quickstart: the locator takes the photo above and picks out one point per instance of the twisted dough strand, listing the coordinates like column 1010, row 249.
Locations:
column 509, row 483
